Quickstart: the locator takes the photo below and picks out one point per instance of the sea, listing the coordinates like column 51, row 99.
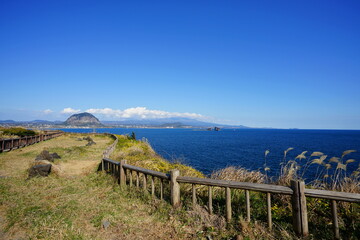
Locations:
column 208, row 151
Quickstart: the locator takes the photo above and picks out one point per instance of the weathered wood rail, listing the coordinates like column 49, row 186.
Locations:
column 109, row 150
column 127, row 174
column 15, row 143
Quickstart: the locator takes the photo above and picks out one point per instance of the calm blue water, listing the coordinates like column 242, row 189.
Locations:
column 209, row 150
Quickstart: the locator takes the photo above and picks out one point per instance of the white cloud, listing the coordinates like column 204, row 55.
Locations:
column 48, row 111
column 140, row 112
column 70, row 111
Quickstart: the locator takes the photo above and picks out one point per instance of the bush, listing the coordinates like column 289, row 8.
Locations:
column 21, row 132
column 132, row 136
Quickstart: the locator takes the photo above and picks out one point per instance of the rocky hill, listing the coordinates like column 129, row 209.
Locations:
column 83, row 119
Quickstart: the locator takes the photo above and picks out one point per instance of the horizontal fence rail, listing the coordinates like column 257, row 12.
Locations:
column 132, row 175
column 15, row 143
column 258, row 187
column 147, row 171
column 332, row 195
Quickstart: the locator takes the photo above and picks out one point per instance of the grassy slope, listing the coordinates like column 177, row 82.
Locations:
column 74, row 205
column 140, row 153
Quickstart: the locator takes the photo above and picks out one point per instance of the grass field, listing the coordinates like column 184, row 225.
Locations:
column 75, row 204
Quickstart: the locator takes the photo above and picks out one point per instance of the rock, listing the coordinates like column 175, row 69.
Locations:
column 88, row 139
column 40, row 170
column 90, row 143
column 55, row 155
column 45, row 155
column 55, row 169
column 105, row 224
column 39, row 162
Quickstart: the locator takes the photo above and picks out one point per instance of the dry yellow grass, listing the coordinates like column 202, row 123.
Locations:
column 239, row 174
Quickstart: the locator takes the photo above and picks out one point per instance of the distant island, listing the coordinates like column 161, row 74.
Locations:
column 83, row 120
column 88, row 120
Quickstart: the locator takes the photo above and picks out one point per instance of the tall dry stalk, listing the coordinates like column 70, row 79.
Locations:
column 339, row 180
column 266, row 168
column 239, row 174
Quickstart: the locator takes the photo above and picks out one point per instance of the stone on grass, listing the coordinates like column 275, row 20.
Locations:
column 55, row 155
column 55, row 169
column 88, row 139
column 45, row 155
column 105, row 224
column 42, row 170
column 90, row 143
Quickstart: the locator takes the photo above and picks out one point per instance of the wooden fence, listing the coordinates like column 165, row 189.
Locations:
column 14, row 143
column 109, row 150
column 127, row 174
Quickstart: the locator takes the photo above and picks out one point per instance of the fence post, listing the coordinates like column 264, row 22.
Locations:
column 247, row 196
column 161, row 189
column 174, row 188
column 144, row 182
column 299, row 209
column 130, row 178
column 193, row 195
column 122, row 176
column 137, row 179
column 228, row 204
column 335, row 219
column 210, row 201
column 152, row 187
column 268, row 201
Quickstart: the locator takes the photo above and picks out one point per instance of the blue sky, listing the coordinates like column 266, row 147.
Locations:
column 284, row 64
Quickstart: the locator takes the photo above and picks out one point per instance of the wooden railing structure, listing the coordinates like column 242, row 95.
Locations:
column 109, row 150
column 14, row 143
column 297, row 191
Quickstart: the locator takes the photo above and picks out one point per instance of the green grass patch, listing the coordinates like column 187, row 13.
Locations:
column 140, row 153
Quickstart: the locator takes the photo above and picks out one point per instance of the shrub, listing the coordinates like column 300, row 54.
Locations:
column 21, row 132
column 132, row 136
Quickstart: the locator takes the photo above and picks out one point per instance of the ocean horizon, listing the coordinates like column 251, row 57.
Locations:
column 208, row 151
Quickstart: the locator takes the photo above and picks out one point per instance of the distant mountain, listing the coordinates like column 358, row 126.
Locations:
column 89, row 120
column 167, row 122
column 7, row 121
column 83, row 120
column 41, row 122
